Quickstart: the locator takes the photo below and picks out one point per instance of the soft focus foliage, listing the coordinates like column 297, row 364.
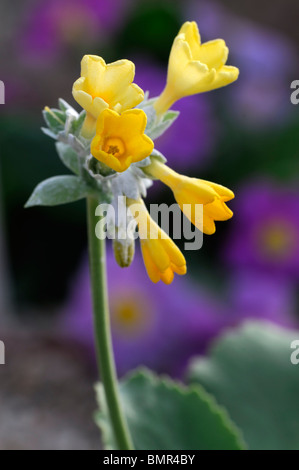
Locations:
column 258, row 386
column 197, row 421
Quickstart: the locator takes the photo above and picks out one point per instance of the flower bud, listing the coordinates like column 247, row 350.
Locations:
column 124, row 252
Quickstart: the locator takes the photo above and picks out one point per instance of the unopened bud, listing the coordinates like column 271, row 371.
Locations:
column 124, row 252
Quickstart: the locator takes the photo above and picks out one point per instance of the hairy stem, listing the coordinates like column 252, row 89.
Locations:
column 105, row 358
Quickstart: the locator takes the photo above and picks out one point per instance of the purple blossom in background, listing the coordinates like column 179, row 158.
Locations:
column 50, row 26
column 190, row 141
column 255, row 295
column 153, row 325
column 163, row 327
column 267, row 62
column 265, row 230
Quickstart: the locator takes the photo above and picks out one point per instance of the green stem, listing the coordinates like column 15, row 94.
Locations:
column 105, row 358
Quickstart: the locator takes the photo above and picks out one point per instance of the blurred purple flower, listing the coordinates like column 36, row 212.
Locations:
column 265, row 230
column 266, row 59
column 191, row 139
column 256, row 295
column 163, row 327
column 50, row 26
column 158, row 326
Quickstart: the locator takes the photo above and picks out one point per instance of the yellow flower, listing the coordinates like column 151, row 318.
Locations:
column 120, row 139
column 194, row 67
column 162, row 258
column 104, row 86
column 189, row 192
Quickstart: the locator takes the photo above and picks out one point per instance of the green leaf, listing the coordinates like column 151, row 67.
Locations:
column 64, row 106
column 251, row 374
column 49, row 133
column 156, row 127
column 170, row 116
column 161, row 126
column 163, row 415
column 58, row 190
column 78, row 123
column 55, row 119
column 69, row 157
column 151, row 117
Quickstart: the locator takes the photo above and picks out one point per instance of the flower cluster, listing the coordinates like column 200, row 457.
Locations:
column 110, row 145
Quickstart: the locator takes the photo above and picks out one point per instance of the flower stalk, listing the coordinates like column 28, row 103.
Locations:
column 104, row 351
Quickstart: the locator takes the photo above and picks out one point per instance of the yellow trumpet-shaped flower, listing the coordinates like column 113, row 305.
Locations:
column 104, row 86
column 189, row 192
column 162, row 258
column 194, row 67
column 120, row 139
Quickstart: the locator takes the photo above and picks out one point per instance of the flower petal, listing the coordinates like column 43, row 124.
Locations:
column 168, row 276
column 213, row 53
column 140, row 147
column 131, row 123
column 106, row 83
column 208, row 225
column 131, row 97
column 225, row 193
column 158, row 254
column 218, row 210
column 181, row 270
column 128, row 128
column 180, row 56
column 192, row 36
column 85, row 100
column 151, row 269
column 92, row 69
column 193, row 191
column 197, row 78
column 117, row 77
column 226, row 75
column 174, row 253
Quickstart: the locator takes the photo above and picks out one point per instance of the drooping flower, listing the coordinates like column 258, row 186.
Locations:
column 120, row 139
column 104, row 86
column 194, row 67
column 190, row 192
column 162, row 258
